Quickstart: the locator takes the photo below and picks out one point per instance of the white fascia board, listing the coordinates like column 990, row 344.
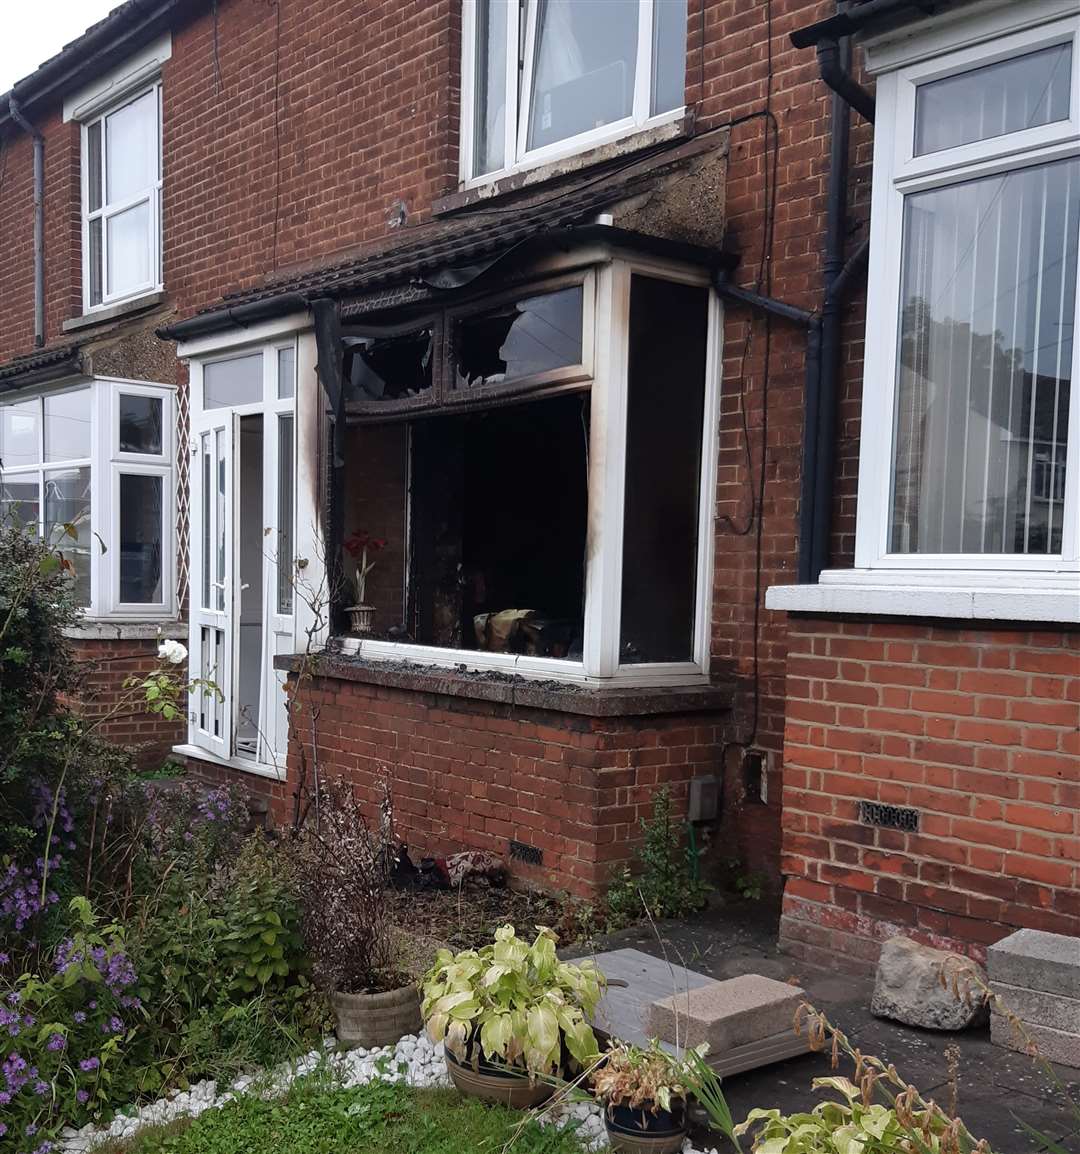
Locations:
column 119, row 81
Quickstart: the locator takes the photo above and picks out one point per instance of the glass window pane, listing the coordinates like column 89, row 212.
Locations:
column 1009, row 96
column 665, row 410
column 95, row 261
column 20, row 434
column 131, row 148
column 390, row 368
column 586, row 59
column 93, row 166
column 129, row 249
column 286, row 373
column 141, row 542
column 140, row 423
column 285, row 515
column 207, row 539
column 986, row 350
column 219, row 517
column 489, row 146
column 669, row 55
column 67, row 523
column 20, row 501
column 67, row 426
column 520, row 339
column 234, row 382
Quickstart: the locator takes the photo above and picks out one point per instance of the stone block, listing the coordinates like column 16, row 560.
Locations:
column 1041, row 1009
column 1054, row 1045
column 726, row 1014
column 921, row 986
column 1035, row 960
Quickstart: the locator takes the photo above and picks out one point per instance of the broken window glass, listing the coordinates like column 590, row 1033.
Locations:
column 520, row 339
column 390, row 367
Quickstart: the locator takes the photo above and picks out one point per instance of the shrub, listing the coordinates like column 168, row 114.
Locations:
column 518, row 1001
column 663, row 880
column 646, row 1079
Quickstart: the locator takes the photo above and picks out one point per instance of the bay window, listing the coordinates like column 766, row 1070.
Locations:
column 89, row 467
column 970, row 459
column 543, row 79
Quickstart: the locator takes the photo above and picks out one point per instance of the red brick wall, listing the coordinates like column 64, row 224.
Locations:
column 472, row 774
column 107, row 665
column 979, row 730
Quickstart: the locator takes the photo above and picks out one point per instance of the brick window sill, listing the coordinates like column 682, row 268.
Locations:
column 507, row 689
column 1021, row 597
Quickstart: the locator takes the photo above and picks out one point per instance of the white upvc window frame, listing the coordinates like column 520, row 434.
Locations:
column 521, row 26
column 897, row 174
column 610, row 343
column 106, row 464
column 151, row 194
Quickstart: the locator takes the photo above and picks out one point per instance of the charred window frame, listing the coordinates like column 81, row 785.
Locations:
column 612, row 358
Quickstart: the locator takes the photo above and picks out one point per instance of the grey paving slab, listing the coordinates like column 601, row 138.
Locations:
column 1036, row 960
column 1041, row 1009
column 734, row 1012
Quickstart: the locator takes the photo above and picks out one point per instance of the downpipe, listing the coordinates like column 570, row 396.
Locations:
column 39, row 218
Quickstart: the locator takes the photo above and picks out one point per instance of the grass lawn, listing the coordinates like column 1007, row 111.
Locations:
column 316, row 1117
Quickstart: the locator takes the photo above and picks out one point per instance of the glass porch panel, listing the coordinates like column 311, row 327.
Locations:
column 238, row 381
column 207, row 524
column 20, row 501
column 141, row 544
column 665, row 411
column 286, row 380
column 585, row 68
column 67, row 509
column 995, row 100
column 489, row 125
column 67, row 426
column 985, row 364
column 140, row 424
column 20, row 434
column 285, row 514
column 220, row 493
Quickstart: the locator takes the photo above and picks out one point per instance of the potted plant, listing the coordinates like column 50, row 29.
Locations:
column 643, row 1091
column 513, row 1017
column 354, row 956
column 362, row 615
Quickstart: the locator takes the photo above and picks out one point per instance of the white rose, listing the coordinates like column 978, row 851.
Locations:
column 172, row 652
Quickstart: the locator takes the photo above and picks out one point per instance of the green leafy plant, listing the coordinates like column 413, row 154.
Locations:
column 663, row 881
column 704, row 1084
column 642, row 1078
column 514, row 1002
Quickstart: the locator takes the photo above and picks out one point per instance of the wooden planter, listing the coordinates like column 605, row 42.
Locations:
column 496, row 1084
column 642, row 1132
column 371, row 1020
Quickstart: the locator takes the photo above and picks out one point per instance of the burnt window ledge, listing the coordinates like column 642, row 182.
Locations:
column 514, row 689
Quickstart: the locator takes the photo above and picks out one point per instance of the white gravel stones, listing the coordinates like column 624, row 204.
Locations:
column 415, row 1060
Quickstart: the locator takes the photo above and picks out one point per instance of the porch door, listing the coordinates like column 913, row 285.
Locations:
column 213, row 610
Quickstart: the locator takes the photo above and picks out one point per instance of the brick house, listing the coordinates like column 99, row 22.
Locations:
column 565, row 316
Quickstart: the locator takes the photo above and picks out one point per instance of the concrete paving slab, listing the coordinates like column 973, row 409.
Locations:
column 1041, row 1009
column 726, row 1014
column 1053, row 1045
column 1035, row 960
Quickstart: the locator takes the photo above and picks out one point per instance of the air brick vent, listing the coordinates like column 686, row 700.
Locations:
column 529, row 854
column 889, row 816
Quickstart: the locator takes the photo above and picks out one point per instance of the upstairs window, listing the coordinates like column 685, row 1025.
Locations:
column 121, row 153
column 543, row 79
column 971, row 361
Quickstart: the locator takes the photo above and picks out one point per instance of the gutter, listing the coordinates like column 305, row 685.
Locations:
column 39, row 216
column 850, row 21
column 238, row 317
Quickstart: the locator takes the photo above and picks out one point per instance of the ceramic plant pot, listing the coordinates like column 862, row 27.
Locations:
column 361, row 618
column 370, row 1020
column 639, row 1131
column 492, row 1083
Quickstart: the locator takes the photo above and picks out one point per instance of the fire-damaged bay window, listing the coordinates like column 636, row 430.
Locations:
column 528, row 478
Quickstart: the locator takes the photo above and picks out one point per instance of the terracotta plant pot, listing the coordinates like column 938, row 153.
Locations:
column 371, row 1020
column 496, row 1084
column 361, row 618
column 642, row 1132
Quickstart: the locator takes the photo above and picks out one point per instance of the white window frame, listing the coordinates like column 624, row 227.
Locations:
column 600, row 663
column 897, row 174
column 520, row 43
column 106, row 464
column 152, row 194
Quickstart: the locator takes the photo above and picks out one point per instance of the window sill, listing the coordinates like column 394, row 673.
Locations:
column 514, row 689
column 113, row 312
column 1015, row 597
column 256, row 768
column 482, row 189
column 107, row 630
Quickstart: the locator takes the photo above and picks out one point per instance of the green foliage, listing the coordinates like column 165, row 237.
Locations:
column 318, row 1118
column 663, row 881
column 517, row 1000
column 744, row 883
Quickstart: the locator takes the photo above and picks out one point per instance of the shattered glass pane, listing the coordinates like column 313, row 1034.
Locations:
column 520, row 339
column 390, row 368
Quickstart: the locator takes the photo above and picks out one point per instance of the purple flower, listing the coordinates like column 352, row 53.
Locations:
column 56, row 1042
column 3, row 1129
column 31, row 1130
column 82, row 1097
column 88, row 1064
column 78, row 1017
column 41, row 1088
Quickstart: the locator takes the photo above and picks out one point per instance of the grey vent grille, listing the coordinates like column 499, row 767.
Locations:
column 889, row 816
column 529, row 854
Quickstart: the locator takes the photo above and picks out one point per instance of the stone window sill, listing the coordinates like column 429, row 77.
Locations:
column 512, row 689
column 113, row 312
column 127, row 630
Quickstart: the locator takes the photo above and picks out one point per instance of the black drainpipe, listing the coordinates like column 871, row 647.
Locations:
column 823, row 365
column 39, row 219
